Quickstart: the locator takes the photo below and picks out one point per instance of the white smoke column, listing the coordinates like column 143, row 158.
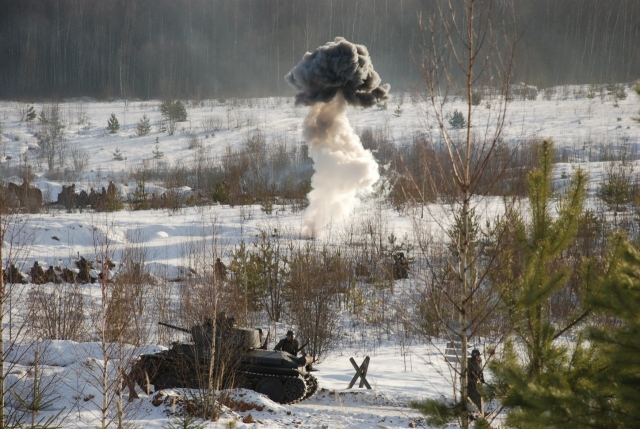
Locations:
column 343, row 167
column 329, row 79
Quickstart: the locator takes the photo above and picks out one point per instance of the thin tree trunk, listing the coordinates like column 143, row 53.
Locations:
column 2, row 296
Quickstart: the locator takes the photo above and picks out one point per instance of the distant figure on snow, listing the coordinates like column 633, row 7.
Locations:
column 220, row 269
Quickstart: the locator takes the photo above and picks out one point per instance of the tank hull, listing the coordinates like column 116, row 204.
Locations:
column 277, row 374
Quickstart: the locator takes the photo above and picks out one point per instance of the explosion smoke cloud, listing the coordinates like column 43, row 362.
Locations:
column 338, row 66
column 329, row 79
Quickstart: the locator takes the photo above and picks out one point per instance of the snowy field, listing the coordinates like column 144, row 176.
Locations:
column 398, row 374
column 581, row 123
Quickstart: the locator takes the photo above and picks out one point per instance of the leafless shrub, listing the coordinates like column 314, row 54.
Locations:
column 421, row 170
column 56, row 312
column 80, row 112
column 194, row 141
column 379, row 141
column 173, row 200
column 79, row 159
column 22, row 110
column 250, row 119
column 211, row 124
column 130, row 293
column 315, row 279
column 598, row 149
column 62, row 151
column 548, row 93
column 50, row 135
column 579, row 93
column 163, row 306
column 256, row 172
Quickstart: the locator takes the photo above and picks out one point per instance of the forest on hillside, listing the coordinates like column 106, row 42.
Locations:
column 240, row 48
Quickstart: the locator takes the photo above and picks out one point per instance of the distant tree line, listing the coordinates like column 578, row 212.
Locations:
column 238, row 48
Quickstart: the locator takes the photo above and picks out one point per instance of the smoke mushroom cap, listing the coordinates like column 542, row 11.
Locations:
column 338, row 66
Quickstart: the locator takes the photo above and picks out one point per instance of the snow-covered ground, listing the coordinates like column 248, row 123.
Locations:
column 397, row 375
column 74, row 368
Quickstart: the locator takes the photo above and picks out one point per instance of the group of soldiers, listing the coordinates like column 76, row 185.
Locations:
column 105, row 200
column 22, row 196
column 69, row 199
column 13, row 275
column 399, row 269
column 83, row 274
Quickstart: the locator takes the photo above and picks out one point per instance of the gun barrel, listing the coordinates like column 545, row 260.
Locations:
column 177, row 328
column 303, row 346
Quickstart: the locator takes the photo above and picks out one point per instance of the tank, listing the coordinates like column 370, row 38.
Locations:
column 281, row 376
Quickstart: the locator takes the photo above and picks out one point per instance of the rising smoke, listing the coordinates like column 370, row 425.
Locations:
column 329, row 79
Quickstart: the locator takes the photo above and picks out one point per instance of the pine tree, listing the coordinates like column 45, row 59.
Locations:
column 457, row 120
column 595, row 382
column 617, row 188
column 157, row 153
column 173, row 110
column 31, row 113
column 538, row 376
column 184, row 421
column 618, row 383
column 36, row 401
column 143, row 127
column 476, row 98
column 117, row 155
column 112, row 124
column 140, row 200
column 540, row 244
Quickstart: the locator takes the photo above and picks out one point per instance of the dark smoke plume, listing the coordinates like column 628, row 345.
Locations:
column 338, row 66
column 328, row 80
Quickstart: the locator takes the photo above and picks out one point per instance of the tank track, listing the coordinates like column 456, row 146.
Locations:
column 310, row 382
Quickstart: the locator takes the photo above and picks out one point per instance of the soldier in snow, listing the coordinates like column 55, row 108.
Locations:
column 475, row 377
column 400, row 266
column 288, row 344
column 37, row 273
column 220, row 269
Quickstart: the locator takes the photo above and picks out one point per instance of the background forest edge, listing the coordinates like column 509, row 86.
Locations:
column 228, row 48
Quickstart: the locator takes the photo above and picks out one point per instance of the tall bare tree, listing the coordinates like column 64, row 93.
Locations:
column 466, row 48
column 110, row 319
